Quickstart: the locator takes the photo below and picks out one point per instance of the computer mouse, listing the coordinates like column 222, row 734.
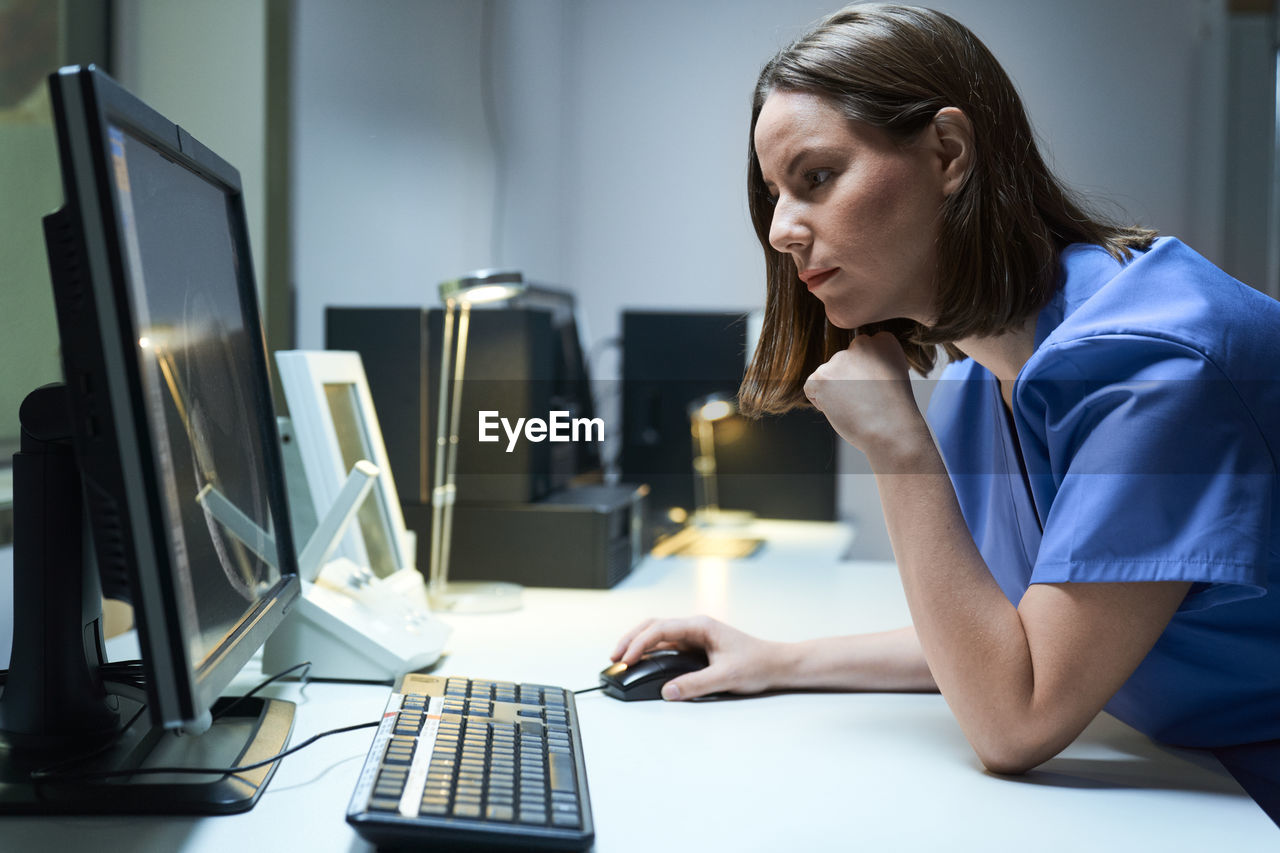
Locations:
column 644, row 678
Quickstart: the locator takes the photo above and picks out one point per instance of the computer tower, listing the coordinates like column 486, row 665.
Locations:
column 583, row 536
column 777, row 466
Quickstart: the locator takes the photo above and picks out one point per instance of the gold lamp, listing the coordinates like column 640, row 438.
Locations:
column 712, row 531
column 458, row 296
column 703, row 416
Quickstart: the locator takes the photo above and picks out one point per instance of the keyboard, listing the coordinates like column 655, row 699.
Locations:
column 464, row 762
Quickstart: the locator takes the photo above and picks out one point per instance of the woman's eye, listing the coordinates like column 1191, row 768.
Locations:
column 817, row 177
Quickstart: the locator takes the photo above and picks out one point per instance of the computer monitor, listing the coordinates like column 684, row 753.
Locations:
column 166, row 395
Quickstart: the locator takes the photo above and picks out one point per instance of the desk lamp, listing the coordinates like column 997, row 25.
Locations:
column 703, row 415
column 459, row 295
column 712, row 532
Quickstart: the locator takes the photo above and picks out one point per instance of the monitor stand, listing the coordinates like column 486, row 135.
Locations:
column 66, row 711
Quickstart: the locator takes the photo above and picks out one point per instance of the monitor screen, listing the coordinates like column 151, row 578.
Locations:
column 196, row 363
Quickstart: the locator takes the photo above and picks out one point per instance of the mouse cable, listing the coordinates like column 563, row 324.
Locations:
column 588, row 689
column 53, row 776
column 305, row 666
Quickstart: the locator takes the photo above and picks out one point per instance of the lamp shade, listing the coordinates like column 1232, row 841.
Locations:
column 483, row 286
column 714, row 407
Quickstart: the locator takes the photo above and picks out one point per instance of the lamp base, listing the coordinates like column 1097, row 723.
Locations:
column 697, row 542
column 709, row 519
column 476, row 597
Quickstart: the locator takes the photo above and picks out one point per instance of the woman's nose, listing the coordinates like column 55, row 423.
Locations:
column 787, row 230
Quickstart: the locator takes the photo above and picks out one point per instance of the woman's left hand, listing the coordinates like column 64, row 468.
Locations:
column 865, row 392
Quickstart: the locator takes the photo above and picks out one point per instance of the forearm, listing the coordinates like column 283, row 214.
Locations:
column 971, row 635
column 1022, row 681
column 886, row 661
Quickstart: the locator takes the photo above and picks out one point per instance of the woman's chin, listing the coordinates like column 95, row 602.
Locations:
column 844, row 321
column 837, row 318
column 850, row 321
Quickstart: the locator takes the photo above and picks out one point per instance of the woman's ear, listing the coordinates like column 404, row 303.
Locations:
column 953, row 142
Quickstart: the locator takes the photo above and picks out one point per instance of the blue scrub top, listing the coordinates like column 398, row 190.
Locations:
column 1142, row 446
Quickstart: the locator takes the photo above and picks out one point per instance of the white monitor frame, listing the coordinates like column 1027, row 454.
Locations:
column 304, row 375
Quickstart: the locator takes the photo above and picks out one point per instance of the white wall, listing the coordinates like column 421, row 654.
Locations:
column 393, row 170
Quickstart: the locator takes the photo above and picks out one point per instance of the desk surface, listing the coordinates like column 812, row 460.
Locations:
column 865, row 771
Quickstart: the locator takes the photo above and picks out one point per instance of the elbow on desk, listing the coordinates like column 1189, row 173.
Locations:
column 1008, row 762
column 1013, row 735
column 1018, row 750
column 1012, row 740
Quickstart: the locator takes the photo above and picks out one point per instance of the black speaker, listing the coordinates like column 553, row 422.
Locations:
column 395, row 345
column 777, row 467
column 508, row 372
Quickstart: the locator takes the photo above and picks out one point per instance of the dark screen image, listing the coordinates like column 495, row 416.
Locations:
column 197, row 368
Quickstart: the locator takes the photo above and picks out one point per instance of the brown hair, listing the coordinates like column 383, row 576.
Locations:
column 1000, row 232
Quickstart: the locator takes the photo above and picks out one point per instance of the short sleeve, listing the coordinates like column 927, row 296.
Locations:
column 1146, row 465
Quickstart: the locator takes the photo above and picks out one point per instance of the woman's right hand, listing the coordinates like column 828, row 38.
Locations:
column 737, row 662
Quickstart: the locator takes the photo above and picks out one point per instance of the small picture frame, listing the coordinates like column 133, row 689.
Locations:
column 335, row 426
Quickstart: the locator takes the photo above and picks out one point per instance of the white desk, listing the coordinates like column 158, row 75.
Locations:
column 852, row 771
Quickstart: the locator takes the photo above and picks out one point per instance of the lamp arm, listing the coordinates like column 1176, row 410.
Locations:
column 440, row 496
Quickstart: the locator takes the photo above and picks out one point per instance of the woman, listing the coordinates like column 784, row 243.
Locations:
column 1090, row 516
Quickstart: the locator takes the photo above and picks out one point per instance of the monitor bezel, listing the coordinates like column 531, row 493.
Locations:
column 99, row 345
